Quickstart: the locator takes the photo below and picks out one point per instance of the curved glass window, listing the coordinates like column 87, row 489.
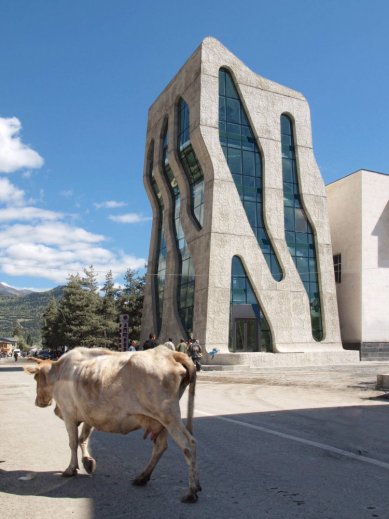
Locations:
column 245, row 163
column 186, row 276
column 298, row 231
column 190, row 164
column 249, row 329
column 160, row 252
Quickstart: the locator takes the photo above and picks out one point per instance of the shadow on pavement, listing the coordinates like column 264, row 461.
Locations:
column 9, row 368
column 250, row 465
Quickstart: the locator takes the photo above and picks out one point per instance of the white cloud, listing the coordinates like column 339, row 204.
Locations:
column 14, row 154
column 109, row 204
column 129, row 218
column 67, row 193
column 39, row 243
column 54, row 250
column 10, row 214
column 10, row 194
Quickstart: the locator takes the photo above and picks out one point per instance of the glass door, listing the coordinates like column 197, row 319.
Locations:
column 246, row 335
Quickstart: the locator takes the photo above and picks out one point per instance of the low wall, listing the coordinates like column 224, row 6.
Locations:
column 262, row 360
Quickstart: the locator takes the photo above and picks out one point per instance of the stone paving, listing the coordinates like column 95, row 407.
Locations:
column 361, row 376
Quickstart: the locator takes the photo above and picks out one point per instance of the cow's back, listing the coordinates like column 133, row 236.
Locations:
column 109, row 389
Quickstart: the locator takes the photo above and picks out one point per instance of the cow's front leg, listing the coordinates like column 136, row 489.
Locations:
column 83, row 441
column 159, row 447
column 72, row 428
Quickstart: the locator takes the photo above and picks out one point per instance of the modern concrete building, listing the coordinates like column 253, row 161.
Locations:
column 240, row 253
column 359, row 217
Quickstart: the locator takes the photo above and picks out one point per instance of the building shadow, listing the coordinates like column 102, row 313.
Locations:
column 381, row 230
column 289, row 464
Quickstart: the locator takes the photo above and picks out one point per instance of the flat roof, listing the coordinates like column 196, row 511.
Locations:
column 358, row 171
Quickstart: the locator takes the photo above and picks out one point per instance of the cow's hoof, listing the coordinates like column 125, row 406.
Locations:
column 89, row 464
column 140, row 481
column 69, row 473
column 189, row 498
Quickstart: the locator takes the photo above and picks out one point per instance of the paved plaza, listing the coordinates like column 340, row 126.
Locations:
column 289, row 443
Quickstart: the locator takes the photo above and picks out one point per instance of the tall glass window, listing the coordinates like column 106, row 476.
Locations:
column 190, row 164
column 298, row 231
column 160, row 252
column 249, row 329
column 186, row 275
column 245, row 163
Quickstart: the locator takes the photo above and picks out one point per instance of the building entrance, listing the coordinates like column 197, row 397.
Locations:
column 246, row 335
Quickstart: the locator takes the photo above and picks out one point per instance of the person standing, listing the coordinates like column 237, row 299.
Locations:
column 181, row 346
column 194, row 352
column 132, row 346
column 150, row 342
column 169, row 344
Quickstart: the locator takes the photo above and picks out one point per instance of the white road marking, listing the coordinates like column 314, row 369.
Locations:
column 318, row 445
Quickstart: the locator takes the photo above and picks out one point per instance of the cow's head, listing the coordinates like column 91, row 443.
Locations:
column 44, row 381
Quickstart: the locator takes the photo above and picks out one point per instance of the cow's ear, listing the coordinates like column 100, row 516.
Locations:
column 31, row 369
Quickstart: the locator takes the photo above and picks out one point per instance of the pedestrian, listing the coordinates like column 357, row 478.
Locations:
column 150, row 342
column 169, row 344
column 132, row 346
column 194, row 352
column 181, row 346
column 16, row 356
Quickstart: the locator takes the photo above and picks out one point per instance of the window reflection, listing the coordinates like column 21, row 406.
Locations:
column 244, row 161
column 298, row 230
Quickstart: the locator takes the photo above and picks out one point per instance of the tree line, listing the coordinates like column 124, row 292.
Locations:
column 83, row 317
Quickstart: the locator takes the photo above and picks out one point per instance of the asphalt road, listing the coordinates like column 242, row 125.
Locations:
column 306, row 443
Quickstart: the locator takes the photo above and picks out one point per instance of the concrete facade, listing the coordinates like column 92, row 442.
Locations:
column 359, row 217
column 226, row 231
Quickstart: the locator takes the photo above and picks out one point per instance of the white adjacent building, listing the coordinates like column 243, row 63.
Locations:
column 359, row 217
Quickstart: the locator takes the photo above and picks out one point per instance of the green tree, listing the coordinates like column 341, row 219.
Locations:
column 109, row 325
column 52, row 326
column 79, row 311
column 130, row 301
column 18, row 330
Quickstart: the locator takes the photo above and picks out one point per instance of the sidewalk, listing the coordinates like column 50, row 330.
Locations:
column 359, row 376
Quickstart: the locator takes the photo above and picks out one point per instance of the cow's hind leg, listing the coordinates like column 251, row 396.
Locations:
column 72, row 428
column 187, row 444
column 159, row 447
column 83, row 441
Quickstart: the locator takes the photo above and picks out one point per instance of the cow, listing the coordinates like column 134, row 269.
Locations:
column 121, row 392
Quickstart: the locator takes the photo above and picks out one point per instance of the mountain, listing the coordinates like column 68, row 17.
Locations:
column 25, row 307
column 6, row 290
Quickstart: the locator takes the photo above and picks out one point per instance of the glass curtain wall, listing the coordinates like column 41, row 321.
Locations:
column 245, row 163
column 249, row 329
column 159, row 273
column 298, row 231
column 185, row 274
column 190, row 164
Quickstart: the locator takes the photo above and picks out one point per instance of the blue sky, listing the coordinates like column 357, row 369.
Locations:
column 77, row 78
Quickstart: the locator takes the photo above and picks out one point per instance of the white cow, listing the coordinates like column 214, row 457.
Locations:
column 122, row 392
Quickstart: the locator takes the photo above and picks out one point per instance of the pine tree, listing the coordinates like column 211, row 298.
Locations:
column 109, row 333
column 51, row 327
column 18, row 330
column 130, row 302
column 79, row 311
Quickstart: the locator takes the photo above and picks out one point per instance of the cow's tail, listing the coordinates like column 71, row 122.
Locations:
column 189, row 379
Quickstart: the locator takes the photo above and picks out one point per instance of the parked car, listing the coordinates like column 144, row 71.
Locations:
column 44, row 355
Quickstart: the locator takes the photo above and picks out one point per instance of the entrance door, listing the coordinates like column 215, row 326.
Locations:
column 246, row 335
